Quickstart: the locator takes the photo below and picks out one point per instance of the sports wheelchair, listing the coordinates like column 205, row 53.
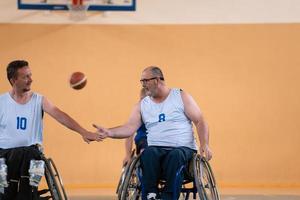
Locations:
column 199, row 181
column 54, row 181
column 54, row 187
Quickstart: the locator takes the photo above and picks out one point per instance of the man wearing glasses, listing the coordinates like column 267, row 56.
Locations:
column 167, row 114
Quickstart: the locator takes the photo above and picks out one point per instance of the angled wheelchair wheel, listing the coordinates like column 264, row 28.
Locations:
column 123, row 175
column 121, row 180
column 54, row 181
column 204, row 179
column 132, row 184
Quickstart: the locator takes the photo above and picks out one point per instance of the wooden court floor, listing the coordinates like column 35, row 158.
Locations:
column 223, row 197
column 226, row 194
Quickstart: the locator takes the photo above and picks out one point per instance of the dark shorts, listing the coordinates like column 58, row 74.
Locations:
column 18, row 162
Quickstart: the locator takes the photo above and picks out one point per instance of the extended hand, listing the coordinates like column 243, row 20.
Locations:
column 89, row 136
column 103, row 132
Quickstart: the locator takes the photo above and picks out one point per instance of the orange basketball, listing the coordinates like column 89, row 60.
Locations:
column 78, row 80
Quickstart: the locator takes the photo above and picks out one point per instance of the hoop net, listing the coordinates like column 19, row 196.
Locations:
column 78, row 9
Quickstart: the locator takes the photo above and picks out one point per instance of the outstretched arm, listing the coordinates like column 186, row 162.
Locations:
column 193, row 112
column 68, row 121
column 125, row 130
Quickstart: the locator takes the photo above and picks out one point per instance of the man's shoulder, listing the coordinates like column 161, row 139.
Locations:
column 177, row 90
column 3, row 96
column 36, row 98
column 36, row 95
column 145, row 99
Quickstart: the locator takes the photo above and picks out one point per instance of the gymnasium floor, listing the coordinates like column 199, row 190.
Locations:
column 223, row 197
column 226, row 194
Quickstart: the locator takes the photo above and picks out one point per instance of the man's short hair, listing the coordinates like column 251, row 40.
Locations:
column 13, row 67
column 156, row 71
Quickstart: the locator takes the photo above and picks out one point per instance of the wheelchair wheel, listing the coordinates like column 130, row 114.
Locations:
column 54, row 181
column 124, row 172
column 204, row 179
column 132, row 185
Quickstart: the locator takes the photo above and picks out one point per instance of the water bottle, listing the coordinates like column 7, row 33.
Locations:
column 36, row 172
column 3, row 175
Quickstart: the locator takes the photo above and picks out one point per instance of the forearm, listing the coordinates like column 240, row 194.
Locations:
column 123, row 131
column 203, row 134
column 69, row 122
column 120, row 132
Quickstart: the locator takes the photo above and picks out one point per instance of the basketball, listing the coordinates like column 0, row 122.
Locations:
column 78, row 80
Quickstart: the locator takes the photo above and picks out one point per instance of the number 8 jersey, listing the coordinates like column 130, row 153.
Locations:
column 20, row 124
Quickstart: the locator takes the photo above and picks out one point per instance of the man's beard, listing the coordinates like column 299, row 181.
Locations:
column 26, row 89
column 149, row 93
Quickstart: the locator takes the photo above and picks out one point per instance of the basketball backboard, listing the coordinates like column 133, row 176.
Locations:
column 94, row 5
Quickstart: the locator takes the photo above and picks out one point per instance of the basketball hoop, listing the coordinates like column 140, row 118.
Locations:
column 78, row 9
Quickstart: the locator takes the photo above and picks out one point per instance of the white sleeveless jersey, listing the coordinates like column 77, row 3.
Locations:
column 20, row 124
column 166, row 123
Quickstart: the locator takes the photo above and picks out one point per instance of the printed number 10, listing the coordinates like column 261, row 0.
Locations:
column 21, row 123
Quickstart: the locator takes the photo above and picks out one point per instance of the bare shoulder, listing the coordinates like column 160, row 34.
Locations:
column 191, row 107
column 47, row 105
column 45, row 100
column 137, row 107
column 134, row 120
column 186, row 97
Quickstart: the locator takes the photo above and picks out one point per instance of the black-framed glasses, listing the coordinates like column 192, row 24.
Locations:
column 146, row 80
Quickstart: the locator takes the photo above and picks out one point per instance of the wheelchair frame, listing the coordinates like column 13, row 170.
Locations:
column 54, row 181
column 202, row 178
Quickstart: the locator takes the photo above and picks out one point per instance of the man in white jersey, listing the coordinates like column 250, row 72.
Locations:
column 21, row 126
column 168, row 115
